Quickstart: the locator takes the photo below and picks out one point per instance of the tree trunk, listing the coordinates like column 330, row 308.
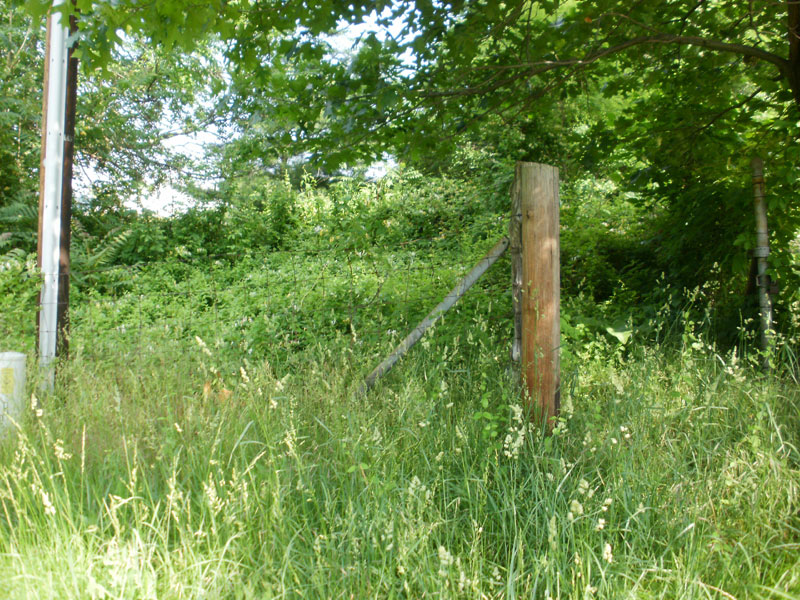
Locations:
column 793, row 9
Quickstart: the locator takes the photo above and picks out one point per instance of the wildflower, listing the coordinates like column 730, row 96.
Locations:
column 58, row 448
column 318, row 539
column 290, row 439
column 49, row 509
column 515, row 438
column 583, row 486
column 463, row 580
column 377, row 436
column 552, row 533
column 606, row 503
column 418, row 490
column 245, row 378
column 35, row 406
column 576, row 507
column 202, row 345
column 445, row 561
column 607, row 555
column 601, row 524
column 215, row 503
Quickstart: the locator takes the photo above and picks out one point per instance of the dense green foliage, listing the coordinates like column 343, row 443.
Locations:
column 206, row 436
column 244, row 463
column 652, row 112
column 146, row 98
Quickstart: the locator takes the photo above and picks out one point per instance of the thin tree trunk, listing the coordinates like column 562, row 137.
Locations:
column 761, row 252
column 793, row 10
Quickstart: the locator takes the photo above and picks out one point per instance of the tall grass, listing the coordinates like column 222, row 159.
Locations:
column 673, row 474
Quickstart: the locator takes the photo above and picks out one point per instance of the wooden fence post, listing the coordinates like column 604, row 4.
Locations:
column 515, row 247
column 541, row 289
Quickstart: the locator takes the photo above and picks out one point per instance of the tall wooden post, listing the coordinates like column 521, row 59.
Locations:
column 515, row 247
column 760, row 253
column 62, row 316
column 541, row 289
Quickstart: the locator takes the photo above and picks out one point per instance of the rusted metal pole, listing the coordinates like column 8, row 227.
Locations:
column 541, row 290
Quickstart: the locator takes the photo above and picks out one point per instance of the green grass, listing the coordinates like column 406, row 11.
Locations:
column 673, row 475
column 249, row 466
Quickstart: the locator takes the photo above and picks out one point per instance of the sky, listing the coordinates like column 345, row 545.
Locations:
column 166, row 200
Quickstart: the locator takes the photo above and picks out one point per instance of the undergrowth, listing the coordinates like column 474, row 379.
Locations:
column 207, row 437
column 674, row 473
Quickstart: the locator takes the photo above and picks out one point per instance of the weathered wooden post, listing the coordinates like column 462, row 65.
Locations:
column 539, row 297
column 760, row 253
column 515, row 247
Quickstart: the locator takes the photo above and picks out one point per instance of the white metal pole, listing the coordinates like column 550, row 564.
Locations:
column 53, row 167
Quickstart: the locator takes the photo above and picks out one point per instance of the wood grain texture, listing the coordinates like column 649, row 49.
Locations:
column 541, row 293
column 515, row 248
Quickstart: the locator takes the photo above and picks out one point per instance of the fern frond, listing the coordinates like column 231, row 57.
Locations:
column 18, row 255
column 19, row 212
column 108, row 249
